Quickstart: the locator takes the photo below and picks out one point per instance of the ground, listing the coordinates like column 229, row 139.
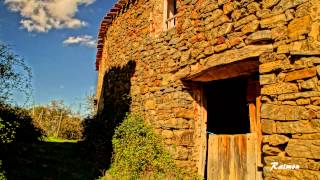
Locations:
column 50, row 159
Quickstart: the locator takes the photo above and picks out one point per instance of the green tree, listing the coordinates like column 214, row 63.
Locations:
column 15, row 75
column 57, row 120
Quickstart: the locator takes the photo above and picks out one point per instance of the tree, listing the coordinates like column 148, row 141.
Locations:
column 57, row 120
column 15, row 75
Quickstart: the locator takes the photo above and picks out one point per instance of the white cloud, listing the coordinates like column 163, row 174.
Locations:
column 44, row 15
column 85, row 40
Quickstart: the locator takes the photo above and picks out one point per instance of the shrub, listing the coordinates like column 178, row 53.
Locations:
column 16, row 125
column 138, row 152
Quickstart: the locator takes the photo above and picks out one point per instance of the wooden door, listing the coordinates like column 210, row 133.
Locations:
column 232, row 157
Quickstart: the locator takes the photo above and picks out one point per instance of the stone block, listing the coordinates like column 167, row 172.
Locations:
column 284, row 112
column 245, row 20
column 304, row 148
column 268, row 126
column 303, row 101
column 312, row 136
column 301, row 74
column 167, row 134
column 299, row 26
column 309, row 84
column 267, row 79
column 273, row 21
column 283, row 5
column 225, row 29
column 279, row 33
column 269, row 150
column 253, row 7
column 295, row 127
column 269, row 3
column 228, row 7
column 259, row 36
column 293, row 96
column 250, row 27
column 274, row 66
column 279, row 88
column 184, row 113
column 275, row 139
column 176, row 123
column 183, row 137
column 221, row 20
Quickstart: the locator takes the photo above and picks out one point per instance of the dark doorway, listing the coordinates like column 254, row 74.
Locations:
column 227, row 106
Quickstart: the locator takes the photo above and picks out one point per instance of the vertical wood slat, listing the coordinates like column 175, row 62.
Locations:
column 213, row 154
column 251, row 156
column 259, row 136
column 252, row 117
column 232, row 157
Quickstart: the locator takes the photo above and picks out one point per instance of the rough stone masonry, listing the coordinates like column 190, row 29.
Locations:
column 282, row 35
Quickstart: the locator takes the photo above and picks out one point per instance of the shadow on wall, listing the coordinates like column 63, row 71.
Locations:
column 98, row 131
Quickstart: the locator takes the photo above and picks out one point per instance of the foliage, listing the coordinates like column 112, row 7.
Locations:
column 16, row 125
column 139, row 152
column 7, row 131
column 57, row 120
column 2, row 173
column 15, row 75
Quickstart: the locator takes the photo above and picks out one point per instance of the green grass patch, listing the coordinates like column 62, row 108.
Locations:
column 59, row 140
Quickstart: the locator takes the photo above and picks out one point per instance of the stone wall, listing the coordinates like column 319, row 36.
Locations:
column 290, row 94
column 282, row 34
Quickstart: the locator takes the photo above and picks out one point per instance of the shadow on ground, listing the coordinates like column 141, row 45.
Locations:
column 47, row 160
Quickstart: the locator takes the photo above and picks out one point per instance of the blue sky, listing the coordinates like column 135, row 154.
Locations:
column 57, row 41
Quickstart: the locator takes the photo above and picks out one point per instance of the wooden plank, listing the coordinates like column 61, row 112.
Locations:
column 251, row 156
column 242, row 150
column 233, row 155
column 225, row 151
column 213, row 163
column 252, row 117
column 201, row 115
column 259, row 137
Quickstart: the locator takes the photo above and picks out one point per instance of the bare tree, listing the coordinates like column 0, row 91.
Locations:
column 15, row 75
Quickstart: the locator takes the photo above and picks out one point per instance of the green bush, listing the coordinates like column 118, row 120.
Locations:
column 16, row 125
column 139, row 153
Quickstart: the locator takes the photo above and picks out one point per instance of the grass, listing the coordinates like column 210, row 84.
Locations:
column 50, row 159
column 59, row 140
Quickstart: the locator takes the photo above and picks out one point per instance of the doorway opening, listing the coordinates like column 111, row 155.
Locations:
column 227, row 106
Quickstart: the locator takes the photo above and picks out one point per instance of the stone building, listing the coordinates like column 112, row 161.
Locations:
column 231, row 85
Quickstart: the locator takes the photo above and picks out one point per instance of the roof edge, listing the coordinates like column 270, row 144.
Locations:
column 104, row 26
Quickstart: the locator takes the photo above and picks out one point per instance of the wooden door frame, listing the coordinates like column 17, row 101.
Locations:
column 255, row 127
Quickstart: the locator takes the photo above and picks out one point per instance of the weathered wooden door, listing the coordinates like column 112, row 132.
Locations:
column 232, row 157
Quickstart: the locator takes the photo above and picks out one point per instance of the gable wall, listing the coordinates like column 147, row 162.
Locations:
column 283, row 34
